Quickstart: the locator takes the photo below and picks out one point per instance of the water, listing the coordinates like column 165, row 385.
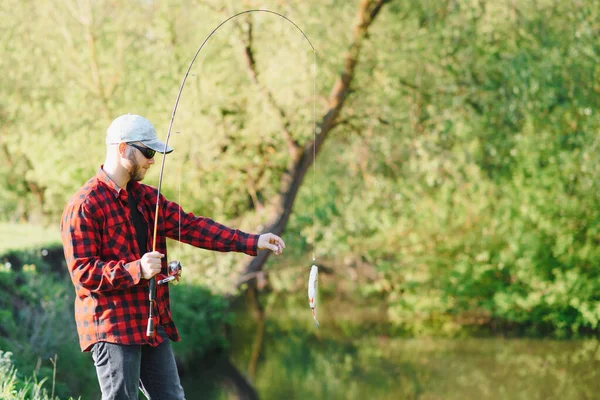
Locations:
column 300, row 364
column 351, row 357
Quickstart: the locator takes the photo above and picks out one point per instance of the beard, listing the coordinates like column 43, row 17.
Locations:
column 136, row 173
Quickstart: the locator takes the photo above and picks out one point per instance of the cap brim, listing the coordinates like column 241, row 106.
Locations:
column 157, row 146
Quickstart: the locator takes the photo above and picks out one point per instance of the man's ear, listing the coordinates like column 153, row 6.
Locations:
column 122, row 149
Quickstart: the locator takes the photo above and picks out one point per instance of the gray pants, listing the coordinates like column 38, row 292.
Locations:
column 123, row 370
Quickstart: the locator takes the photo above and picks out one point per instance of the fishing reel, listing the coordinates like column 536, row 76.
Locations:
column 174, row 272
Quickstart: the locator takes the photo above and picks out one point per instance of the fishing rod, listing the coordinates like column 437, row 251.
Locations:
column 174, row 268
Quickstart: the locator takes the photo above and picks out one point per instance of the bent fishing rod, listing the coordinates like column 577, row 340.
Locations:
column 174, row 267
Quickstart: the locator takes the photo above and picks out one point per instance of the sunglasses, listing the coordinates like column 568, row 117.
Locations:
column 146, row 151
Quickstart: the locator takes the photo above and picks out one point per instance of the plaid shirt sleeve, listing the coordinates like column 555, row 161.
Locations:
column 204, row 232
column 80, row 232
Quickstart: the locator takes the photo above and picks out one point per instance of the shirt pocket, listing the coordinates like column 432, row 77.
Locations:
column 117, row 239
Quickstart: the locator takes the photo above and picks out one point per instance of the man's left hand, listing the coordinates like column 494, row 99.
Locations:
column 271, row 242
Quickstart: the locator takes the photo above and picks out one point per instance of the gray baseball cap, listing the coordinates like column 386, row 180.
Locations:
column 133, row 128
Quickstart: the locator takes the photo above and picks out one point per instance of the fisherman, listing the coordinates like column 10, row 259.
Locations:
column 107, row 232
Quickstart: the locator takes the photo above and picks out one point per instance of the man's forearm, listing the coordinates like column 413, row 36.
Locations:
column 95, row 275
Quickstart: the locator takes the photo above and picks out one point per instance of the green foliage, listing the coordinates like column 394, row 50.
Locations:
column 37, row 322
column 470, row 181
column 460, row 186
column 14, row 387
column 201, row 318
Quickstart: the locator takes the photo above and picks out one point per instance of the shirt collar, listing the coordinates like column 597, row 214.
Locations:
column 102, row 176
column 135, row 186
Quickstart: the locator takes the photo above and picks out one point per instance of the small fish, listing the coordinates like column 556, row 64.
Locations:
column 312, row 291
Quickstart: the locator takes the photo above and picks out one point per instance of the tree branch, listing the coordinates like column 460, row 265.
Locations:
column 247, row 42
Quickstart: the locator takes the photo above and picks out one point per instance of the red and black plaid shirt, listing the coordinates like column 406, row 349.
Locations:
column 98, row 236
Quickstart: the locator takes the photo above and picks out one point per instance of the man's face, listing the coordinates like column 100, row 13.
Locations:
column 139, row 164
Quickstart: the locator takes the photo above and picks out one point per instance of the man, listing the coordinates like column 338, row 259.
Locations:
column 106, row 232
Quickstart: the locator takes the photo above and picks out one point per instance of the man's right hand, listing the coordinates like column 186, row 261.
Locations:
column 151, row 264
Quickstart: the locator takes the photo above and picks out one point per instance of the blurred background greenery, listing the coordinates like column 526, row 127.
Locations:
column 453, row 208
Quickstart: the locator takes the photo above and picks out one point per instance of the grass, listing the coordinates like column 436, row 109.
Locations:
column 13, row 387
column 15, row 236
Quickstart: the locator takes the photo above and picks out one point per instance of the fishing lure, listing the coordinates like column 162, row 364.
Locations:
column 312, row 291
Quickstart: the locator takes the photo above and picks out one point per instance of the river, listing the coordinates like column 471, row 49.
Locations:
column 297, row 361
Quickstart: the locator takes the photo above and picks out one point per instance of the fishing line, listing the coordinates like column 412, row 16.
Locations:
column 179, row 202
column 314, row 156
column 313, row 277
